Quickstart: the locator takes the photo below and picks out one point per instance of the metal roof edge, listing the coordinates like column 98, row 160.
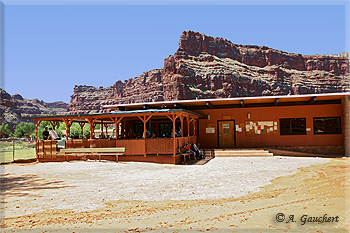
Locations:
column 233, row 98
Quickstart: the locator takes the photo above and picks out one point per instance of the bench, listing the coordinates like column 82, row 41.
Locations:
column 185, row 154
column 82, row 152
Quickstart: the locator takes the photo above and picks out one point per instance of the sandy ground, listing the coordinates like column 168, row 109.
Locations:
column 227, row 194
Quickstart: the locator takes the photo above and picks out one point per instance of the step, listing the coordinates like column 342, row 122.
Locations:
column 242, row 153
column 245, row 155
column 240, row 149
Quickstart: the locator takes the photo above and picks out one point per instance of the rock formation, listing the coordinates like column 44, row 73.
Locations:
column 207, row 67
column 14, row 108
column 9, row 112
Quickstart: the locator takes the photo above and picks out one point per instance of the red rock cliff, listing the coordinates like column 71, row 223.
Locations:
column 207, row 67
column 14, row 108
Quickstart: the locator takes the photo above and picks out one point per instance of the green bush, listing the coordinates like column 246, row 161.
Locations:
column 4, row 128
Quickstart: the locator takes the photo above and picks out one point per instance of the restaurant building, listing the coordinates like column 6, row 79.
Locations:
column 314, row 124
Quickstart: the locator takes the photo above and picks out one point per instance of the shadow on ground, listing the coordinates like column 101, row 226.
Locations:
column 22, row 185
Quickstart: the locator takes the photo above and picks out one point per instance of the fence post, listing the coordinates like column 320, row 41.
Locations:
column 13, row 150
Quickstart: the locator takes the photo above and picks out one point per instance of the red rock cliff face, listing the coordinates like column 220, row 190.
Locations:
column 193, row 44
column 207, row 67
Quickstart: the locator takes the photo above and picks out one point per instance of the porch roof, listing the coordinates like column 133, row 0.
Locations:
column 108, row 117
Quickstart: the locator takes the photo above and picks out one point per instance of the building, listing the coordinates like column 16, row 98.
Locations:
column 315, row 123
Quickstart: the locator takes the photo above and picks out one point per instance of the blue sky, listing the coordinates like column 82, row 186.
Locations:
column 50, row 48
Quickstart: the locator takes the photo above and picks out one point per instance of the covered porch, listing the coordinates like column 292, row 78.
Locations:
column 153, row 135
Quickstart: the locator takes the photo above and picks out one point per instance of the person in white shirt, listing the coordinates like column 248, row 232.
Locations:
column 53, row 134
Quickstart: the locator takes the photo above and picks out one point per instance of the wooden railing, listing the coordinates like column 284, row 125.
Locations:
column 157, row 146
column 46, row 149
column 132, row 146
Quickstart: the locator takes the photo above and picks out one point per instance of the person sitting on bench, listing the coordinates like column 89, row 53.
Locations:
column 189, row 150
column 199, row 153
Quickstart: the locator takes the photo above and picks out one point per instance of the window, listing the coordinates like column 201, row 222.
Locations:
column 327, row 125
column 293, row 126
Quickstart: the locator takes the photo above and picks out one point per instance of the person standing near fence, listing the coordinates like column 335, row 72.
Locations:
column 46, row 134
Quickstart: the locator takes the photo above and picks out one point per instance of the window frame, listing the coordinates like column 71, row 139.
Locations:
column 291, row 131
column 327, row 133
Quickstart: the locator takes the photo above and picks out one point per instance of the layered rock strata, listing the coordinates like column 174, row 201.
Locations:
column 206, row 67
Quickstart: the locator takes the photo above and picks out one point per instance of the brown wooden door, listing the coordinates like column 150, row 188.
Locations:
column 226, row 134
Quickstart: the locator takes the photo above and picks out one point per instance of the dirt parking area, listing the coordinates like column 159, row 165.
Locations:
column 226, row 194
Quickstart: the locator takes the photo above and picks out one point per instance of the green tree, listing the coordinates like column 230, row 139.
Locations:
column 75, row 130
column 24, row 128
column 4, row 128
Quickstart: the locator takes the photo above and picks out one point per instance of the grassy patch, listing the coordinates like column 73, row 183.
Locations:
column 22, row 151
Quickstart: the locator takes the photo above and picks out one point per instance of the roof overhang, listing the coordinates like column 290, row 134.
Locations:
column 237, row 102
column 109, row 117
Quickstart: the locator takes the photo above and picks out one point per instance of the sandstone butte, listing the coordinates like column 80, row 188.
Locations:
column 206, row 67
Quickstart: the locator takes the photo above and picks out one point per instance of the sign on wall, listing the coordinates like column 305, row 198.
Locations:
column 210, row 128
column 261, row 128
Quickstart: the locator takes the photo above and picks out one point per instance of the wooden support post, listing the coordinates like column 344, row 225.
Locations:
column 144, row 119
column 37, row 123
column 92, row 126
column 195, row 127
column 117, row 120
column 94, row 129
column 188, row 126
column 173, row 119
column 102, row 134
column 81, row 124
column 106, row 126
column 54, row 123
column 182, row 125
column 68, row 123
